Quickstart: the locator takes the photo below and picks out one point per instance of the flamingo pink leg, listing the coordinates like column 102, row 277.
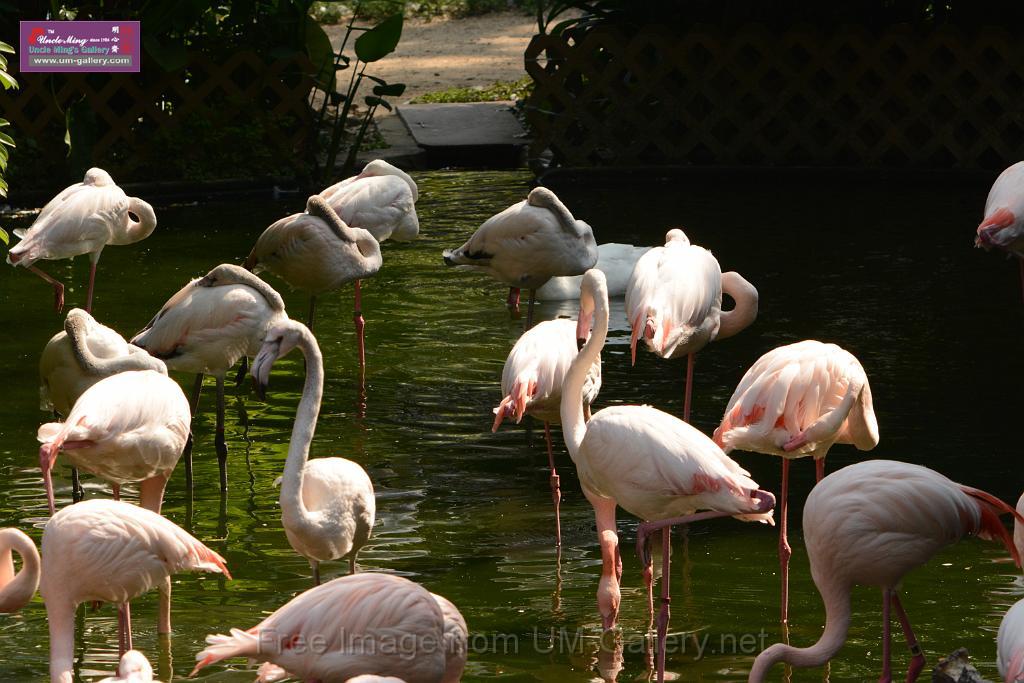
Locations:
column 886, row 676
column 689, row 385
column 608, row 595
column 357, row 316
column 785, row 551
column 513, row 300
column 116, row 489
column 92, row 285
column 58, row 288
column 819, row 469
column 664, row 612
column 918, row 661
column 556, row 491
column 124, row 627
column 220, row 444
column 312, row 313
column 648, row 574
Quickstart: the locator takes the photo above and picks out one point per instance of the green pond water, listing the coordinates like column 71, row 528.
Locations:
column 886, row 270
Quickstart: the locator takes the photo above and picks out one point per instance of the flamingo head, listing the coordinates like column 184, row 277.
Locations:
column 993, row 231
column 135, row 668
column 281, row 338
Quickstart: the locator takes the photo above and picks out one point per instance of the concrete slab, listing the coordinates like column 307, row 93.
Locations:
column 402, row 150
column 475, row 134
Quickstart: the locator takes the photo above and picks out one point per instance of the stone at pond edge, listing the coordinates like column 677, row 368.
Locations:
column 956, row 668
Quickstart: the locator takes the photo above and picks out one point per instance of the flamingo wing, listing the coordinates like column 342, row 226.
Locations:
column 382, row 205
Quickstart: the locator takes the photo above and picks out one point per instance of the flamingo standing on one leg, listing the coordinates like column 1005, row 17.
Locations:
column 82, row 219
column 531, row 382
column 870, row 524
column 654, row 465
column 1010, row 644
column 83, row 354
column 1003, row 224
column 205, row 328
column 798, row 400
column 133, row 668
column 527, row 244
column 109, row 551
column 317, row 252
column 674, row 300
column 327, row 504
column 16, row 590
column 374, row 608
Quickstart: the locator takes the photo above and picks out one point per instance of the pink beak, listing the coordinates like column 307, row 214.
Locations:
column 48, row 456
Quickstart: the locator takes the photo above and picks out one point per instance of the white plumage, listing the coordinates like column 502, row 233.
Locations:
column 380, row 199
column 133, row 668
column 1003, row 224
column 16, row 590
column 1010, row 644
column 616, row 261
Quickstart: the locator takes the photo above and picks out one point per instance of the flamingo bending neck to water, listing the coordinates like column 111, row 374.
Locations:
column 1003, row 224
column 327, row 504
column 674, row 301
column 871, row 523
column 654, row 465
column 82, row 219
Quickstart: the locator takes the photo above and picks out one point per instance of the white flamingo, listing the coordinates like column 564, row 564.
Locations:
column 1003, row 225
column 129, row 427
column 317, row 252
column 377, row 612
column 109, row 551
column 133, row 668
column 527, row 244
column 796, row 401
column 205, row 328
column 327, row 504
column 531, row 383
column 82, row 219
column 654, row 465
column 615, row 260
column 674, row 300
column 381, row 199
column 1018, row 529
column 1010, row 644
column 16, row 590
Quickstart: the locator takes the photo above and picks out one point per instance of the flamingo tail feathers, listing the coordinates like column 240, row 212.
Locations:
column 991, row 527
column 238, row 644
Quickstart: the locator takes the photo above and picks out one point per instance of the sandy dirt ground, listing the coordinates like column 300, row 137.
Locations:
column 446, row 53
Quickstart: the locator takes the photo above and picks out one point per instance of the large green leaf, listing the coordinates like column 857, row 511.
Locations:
column 4, row 47
column 389, row 89
column 321, row 53
column 4, row 237
column 376, row 101
column 381, row 40
column 7, row 81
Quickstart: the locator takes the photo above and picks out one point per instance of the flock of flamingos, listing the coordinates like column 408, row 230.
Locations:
column 124, row 420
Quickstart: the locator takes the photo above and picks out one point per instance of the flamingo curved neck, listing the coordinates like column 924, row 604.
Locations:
column 91, row 364
column 294, row 513
column 16, row 590
column 574, row 428
column 60, row 617
column 140, row 229
column 837, row 623
column 745, row 311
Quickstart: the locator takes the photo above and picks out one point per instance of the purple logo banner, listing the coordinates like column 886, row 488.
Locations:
column 81, row 46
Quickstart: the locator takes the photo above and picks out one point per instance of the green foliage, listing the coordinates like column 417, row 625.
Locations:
column 502, row 90
column 379, row 41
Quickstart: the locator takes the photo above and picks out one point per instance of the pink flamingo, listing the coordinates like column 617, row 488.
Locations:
column 130, row 427
column 378, row 611
column 1010, row 644
column 327, row 504
column 133, row 668
column 109, row 551
column 16, row 590
column 869, row 524
column 381, row 199
column 797, row 401
column 674, row 300
column 654, row 465
column 317, row 252
column 1003, row 224
column 527, row 244
column 531, row 382
column 1018, row 528
column 82, row 219
column 205, row 328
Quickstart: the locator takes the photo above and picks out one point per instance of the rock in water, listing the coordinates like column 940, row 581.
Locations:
column 956, row 668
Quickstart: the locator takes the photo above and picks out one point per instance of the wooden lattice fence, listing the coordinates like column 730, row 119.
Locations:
column 137, row 120
column 848, row 96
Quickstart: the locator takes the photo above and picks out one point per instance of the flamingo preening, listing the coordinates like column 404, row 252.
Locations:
column 674, row 301
column 1003, row 224
column 327, row 504
column 527, row 244
column 796, row 401
column 82, row 219
column 870, row 524
column 654, row 465
column 380, row 199
column 205, row 328
column 133, row 668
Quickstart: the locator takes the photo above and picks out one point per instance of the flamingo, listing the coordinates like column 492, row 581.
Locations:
column 871, row 523
column 109, row 551
column 798, row 400
column 125, row 428
column 362, row 622
column 327, row 504
column 527, row 244
column 1010, row 644
column 82, row 219
column 205, row 328
column 1018, row 529
column 1003, row 224
column 531, row 382
column 75, row 359
column 674, row 299
column 381, row 200
column 16, row 590
column 654, row 465
column 615, row 260
column 317, row 252
column 133, row 668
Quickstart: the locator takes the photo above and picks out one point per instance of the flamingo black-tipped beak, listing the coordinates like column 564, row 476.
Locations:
column 580, row 343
